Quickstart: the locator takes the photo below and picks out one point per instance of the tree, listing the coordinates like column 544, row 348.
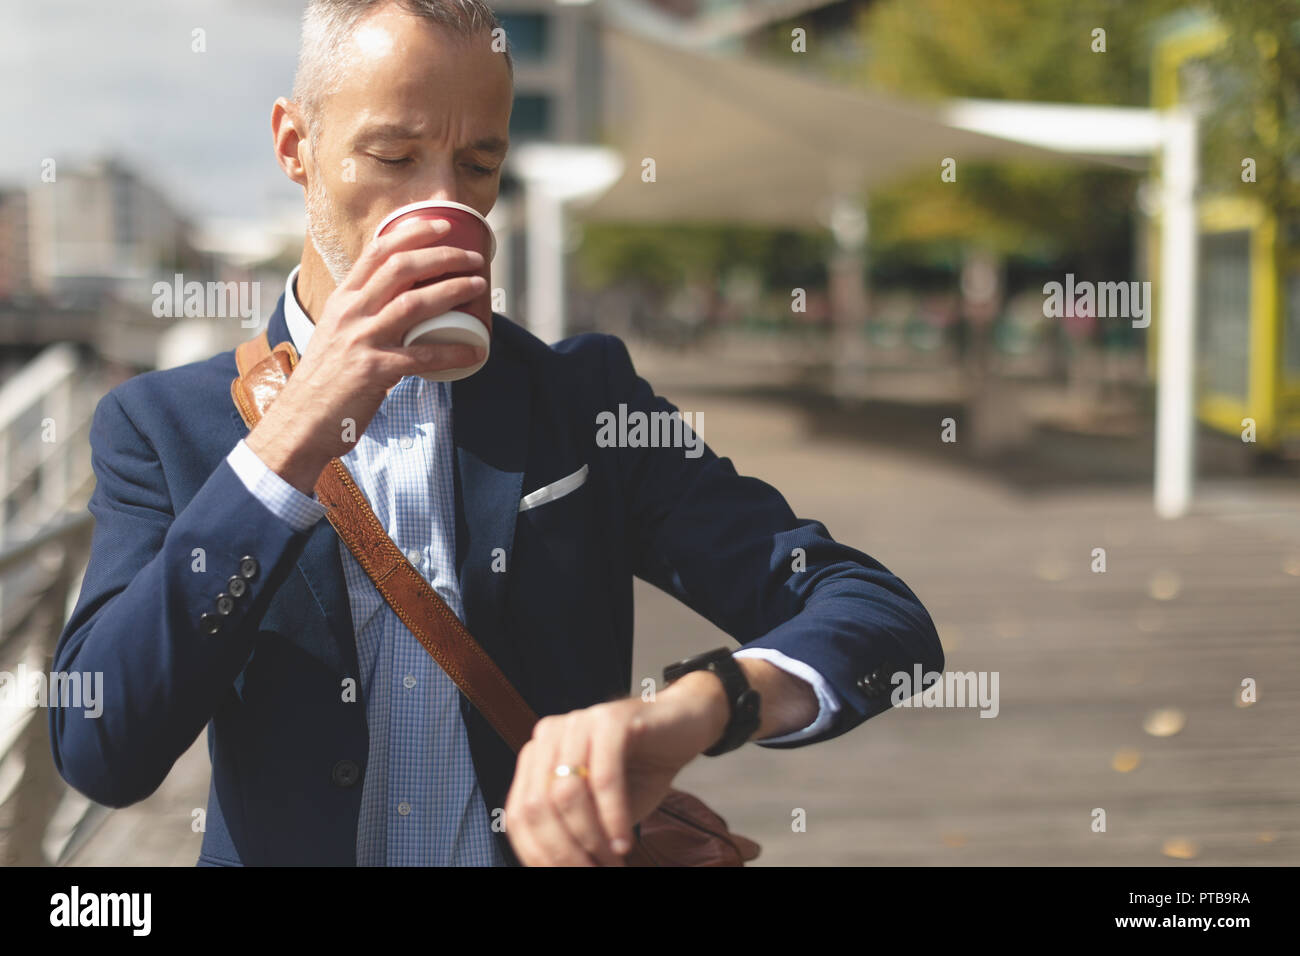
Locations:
column 1044, row 50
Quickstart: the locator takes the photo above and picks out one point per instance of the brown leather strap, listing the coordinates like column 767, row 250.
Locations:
column 249, row 353
column 263, row 372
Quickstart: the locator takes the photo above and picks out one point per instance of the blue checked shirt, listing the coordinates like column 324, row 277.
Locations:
column 420, row 804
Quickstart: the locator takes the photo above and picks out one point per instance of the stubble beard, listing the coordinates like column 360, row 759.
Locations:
column 323, row 230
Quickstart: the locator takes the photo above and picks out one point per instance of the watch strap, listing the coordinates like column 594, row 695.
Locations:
column 741, row 698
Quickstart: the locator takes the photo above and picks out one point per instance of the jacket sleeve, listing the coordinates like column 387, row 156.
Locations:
column 152, row 576
column 730, row 548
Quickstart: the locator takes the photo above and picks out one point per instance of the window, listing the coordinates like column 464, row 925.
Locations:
column 531, row 116
column 529, row 35
column 1291, row 330
column 1224, row 319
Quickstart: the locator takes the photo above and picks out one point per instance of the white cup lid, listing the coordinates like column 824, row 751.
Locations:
column 441, row 204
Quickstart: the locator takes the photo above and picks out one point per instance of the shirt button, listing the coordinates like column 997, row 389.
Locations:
column 408, row 681
column 407, row 441
column 414, row 556
column 404, row 809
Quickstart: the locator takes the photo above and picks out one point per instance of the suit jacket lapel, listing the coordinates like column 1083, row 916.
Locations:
column 490, row 421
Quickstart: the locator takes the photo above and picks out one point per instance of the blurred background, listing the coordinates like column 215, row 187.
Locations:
column 833, row 229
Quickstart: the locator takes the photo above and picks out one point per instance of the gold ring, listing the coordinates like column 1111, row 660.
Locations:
column 564, row 770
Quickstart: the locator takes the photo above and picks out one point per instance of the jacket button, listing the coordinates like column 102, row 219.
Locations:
column 345, row 773
column 225, row 604
column 248, row 567
column 210, row 623
column 874, row 684
column 236, row 586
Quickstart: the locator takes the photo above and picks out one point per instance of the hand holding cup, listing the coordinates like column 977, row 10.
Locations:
column 468, row 323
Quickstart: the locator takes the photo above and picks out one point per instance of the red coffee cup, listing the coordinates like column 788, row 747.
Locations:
column 469, row 323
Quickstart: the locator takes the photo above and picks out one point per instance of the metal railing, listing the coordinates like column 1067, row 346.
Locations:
column 45, row 481
column 42, row 820
column 43, row 459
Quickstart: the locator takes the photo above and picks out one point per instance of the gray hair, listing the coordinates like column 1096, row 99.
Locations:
column 327, row 24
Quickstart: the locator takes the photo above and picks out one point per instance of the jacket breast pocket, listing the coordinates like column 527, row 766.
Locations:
column 559, row 580
column 556, row 525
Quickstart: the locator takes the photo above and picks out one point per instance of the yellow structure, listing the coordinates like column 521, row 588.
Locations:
column 1248, row 317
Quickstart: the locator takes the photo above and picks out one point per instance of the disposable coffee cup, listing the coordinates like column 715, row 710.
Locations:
column 468, row 323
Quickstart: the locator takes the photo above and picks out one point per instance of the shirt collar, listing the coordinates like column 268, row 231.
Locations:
column 300, row 326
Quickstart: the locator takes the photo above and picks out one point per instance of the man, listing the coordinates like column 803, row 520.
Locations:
column 216, row 596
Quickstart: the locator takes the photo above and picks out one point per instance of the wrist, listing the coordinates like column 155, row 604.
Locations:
column 702, row 705
column 287, row 451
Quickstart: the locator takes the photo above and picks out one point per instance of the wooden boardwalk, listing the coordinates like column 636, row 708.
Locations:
column 1184, row 612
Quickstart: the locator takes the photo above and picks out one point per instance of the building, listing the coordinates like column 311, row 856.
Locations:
column 99, row 228
column 15, row 261
column 556, row 51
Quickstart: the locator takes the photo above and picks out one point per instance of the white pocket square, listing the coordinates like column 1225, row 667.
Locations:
column 556, row 489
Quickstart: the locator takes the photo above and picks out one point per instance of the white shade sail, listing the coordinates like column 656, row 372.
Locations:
column 736, row 140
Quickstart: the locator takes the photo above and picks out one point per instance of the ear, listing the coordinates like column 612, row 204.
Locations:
column 289, row 138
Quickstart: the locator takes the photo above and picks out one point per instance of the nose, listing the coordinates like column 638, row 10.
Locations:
column 440, row 186
column 441, row 181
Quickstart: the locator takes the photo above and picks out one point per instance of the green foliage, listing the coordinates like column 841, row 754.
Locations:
column 1254, row 107
column 1043, row 50
column 669, row 256
column 1039, row 50
column 1034, row 50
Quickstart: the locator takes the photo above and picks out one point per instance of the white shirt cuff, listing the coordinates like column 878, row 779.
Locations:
column 282, row 499
column 827, row 700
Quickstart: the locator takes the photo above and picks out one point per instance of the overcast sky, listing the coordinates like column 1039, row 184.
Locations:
column 83, row 78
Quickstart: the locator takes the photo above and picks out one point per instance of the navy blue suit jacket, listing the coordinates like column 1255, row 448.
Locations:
column 288, row 752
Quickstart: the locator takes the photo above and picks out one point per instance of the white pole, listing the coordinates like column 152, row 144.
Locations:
column 1176, row 388
column 553, row 175
column 545, row 224
column 504, row 219
column 848, row 293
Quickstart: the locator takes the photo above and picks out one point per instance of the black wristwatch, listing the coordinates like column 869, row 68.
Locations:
column 744, row 700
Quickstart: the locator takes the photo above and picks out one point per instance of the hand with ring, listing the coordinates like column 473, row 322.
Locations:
column 584, row 778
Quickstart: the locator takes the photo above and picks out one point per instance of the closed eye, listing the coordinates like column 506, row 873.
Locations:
column 474, row 168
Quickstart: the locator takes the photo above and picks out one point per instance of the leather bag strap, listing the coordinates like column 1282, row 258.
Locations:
column 263, row 371
column 252, row 351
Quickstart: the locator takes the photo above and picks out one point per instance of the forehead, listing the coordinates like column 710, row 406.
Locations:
column 398, row 64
